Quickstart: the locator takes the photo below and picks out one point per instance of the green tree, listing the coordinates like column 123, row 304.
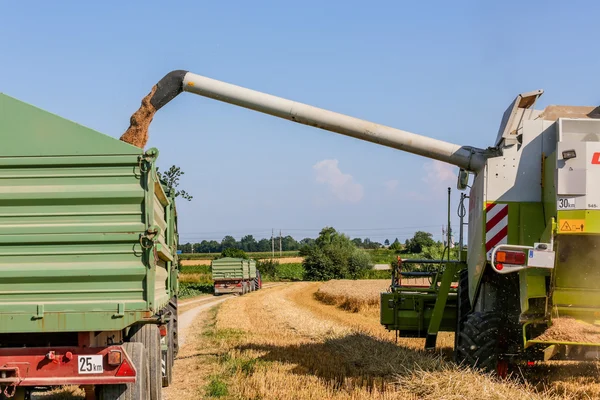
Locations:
column 228, row 241
column 419, row 241
column 248, row 243
column 396, row 246
column 334, row 256
column 263, row 245
column 434, row 252
column 185, row 248
column 288, row 243
column 233, row 252
column 358, row 242
column 387, row 242
column 171, row 181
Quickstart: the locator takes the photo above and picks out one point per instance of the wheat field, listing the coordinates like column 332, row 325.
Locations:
column 283, row 343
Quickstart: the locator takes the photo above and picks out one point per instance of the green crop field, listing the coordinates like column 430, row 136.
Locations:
column 257, row 255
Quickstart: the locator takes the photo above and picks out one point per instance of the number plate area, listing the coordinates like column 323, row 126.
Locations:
column 90, row 364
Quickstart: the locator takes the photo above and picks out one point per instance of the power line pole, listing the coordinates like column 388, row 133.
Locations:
column 272, row 243
column 280, row 243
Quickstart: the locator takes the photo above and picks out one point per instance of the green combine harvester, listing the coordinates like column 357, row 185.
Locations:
column 527, row 285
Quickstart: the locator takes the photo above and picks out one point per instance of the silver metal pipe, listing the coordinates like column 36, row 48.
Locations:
column 469, row 158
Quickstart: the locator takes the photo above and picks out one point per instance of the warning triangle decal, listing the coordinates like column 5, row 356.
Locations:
column 565, row 227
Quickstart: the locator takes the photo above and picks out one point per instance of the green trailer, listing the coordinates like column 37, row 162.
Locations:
column 234, row 275
column 88, row 264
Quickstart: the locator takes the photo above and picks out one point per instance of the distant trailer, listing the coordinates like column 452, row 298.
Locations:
column 234, row 275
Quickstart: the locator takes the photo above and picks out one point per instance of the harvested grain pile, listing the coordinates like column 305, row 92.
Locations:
column 353, row 295
column 571, row 330
column 137, row 133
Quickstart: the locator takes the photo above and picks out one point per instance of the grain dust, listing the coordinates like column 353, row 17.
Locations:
column 571, row 330
column 137, row 133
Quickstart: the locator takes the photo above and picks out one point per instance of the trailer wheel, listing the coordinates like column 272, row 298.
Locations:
column 463, row 307
column 169, row 355
column 131, row 391
column 480, row 342
column 173, row 307
column 149, row 336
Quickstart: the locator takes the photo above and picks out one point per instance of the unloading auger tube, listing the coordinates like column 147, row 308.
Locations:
column 175, row 82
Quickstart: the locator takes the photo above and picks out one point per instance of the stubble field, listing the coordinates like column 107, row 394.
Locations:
column 284, row 343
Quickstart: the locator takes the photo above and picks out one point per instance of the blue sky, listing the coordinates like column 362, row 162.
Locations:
column 443, row 69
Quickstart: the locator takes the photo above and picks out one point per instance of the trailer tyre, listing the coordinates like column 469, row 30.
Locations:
column 169, row 356
column 149, row 336
column 479, row 341
column 172, row 343
column 131, row 391
column 463, row 307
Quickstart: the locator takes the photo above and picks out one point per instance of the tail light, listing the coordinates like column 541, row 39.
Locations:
column 114, row 358
column 510, row 257
column 239, row 284
column 163, row 330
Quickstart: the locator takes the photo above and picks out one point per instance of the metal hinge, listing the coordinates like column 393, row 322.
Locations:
column 148, row 238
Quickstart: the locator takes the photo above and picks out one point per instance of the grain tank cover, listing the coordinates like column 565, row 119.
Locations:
column 513, row 117
column 47, row 134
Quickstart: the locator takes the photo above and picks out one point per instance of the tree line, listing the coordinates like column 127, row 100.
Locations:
column 417, row 244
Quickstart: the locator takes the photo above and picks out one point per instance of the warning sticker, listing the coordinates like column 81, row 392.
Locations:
column 571, row 225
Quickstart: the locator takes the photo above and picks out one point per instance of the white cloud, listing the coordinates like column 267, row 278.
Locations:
column 342, row 185
column 391, row 185
column 439, row 173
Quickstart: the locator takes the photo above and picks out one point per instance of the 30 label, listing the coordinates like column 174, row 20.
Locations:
column 566, row 203
column 90, row 364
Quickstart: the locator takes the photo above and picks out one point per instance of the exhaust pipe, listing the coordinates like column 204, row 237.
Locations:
column 175, row 82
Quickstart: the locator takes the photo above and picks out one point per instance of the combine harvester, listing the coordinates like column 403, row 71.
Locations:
column 88, row 235
column 529, row 281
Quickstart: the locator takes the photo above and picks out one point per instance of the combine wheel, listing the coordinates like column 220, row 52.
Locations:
column 131, row 391
column 149, row 336
column 479, row 343
column 463, row 308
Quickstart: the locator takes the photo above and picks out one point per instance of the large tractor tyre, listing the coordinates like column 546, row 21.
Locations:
column 149, row 336
column 463, row 308
column 479, row 343
column 131, row 391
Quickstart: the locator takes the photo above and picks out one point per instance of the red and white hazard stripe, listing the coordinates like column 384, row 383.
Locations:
column 496, row 226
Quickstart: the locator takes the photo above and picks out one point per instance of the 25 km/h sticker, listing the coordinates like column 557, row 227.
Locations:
column 90, row 364
column 566, row 203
